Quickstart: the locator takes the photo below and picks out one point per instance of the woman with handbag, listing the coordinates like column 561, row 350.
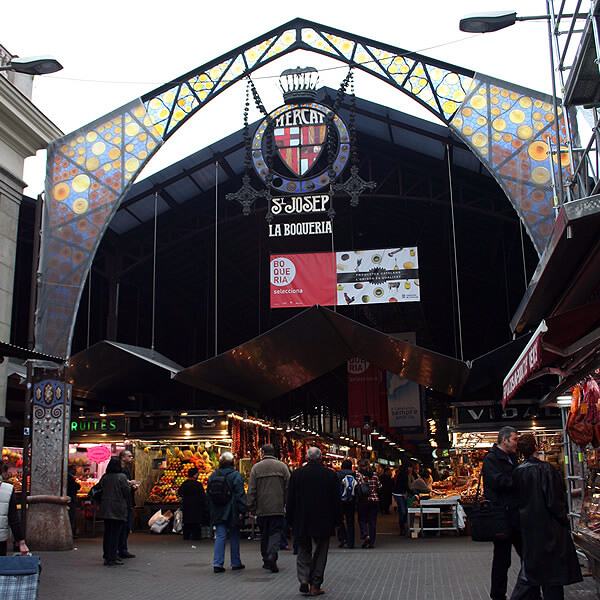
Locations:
column 367, row 502
column 115, row 502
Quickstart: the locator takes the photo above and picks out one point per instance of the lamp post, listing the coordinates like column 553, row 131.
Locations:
column 494, row 21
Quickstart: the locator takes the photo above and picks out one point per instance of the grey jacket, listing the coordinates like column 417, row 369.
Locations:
column 268, row 486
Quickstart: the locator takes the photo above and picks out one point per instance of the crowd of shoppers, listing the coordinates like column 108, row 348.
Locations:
column 315, row 500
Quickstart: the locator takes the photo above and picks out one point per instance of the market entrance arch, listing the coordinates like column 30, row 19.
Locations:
column 510, row 129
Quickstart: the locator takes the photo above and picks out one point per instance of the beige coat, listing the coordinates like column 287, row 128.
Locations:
column 267, row 488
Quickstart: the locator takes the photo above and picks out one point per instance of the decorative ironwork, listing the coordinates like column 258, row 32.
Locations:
column 246, row 195
column 89, row 171
column 355, row 185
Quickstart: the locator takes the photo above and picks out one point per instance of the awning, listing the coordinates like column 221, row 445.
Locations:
column 12, row 351
column 114, row 367
column 311, row 344
column 561, row 345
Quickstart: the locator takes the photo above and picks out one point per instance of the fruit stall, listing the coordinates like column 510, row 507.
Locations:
column 12, row 458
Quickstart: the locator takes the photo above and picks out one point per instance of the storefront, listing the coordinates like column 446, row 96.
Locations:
column 474, row 430
column 166, row 445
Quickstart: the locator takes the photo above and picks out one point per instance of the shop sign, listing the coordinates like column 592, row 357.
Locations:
column 300, row 206
column 99, row 425
column 492, row 414
column 526, row 364
column 98, row 453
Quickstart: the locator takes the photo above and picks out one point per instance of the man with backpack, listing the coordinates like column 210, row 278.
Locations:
column 348, row 494
column 227, row 507
column 267, row 493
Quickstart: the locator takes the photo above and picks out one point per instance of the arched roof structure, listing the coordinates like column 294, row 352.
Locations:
column 511, row 130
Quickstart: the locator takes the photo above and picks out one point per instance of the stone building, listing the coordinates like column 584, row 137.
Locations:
column 24, row 130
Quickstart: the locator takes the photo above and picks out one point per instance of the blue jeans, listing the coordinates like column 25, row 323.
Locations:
column 234, row 545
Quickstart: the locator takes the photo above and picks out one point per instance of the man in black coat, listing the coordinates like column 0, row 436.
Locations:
column 193, row 506
column 549, row 557
column 314, row 510
column 499, row 488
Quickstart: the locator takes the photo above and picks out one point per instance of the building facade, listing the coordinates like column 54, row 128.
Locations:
column 24, row 130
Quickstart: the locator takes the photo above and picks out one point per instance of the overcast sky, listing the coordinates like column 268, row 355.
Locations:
column 116, row 50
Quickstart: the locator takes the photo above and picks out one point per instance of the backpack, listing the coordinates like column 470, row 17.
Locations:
column 348, row 485
column 218, row 489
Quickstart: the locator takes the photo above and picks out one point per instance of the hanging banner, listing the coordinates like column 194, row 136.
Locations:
column 404, row 403
column 375, row 276
column 352, row 277
column 404, row 397
column 364, row 393
column 302, row 280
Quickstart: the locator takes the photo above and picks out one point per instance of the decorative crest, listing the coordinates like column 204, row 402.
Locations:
column 299, row 85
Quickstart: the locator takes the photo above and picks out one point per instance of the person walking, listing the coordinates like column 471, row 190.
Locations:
column 368, row 507
column 9, row 517
column 193, row 506
column 399, row 491
column 347, row 479
column 385, row 493
column 227, row 507
column 314, row 511
column 72, row 488
column 126, row 461
column 549, row 556
column 267, row 493
column 114, row 506
column 499, row 488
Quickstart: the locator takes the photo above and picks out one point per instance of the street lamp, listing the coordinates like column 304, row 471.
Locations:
column 492, row 21
column 35, row 65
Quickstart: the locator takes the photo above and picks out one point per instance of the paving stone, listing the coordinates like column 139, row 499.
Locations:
column 446, row 568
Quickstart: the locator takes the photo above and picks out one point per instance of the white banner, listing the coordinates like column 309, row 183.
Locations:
column 404, row 402
column 403, row 396
column 376, row 276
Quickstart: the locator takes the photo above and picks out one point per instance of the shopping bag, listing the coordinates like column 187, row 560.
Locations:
column 489, row 522
column 178, row 521
column 155, row 517
column 19, row 576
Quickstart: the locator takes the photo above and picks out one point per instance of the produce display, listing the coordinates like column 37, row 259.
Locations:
column 12, row 458
column 178, row 464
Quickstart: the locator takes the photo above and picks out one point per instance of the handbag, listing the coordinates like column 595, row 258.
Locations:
column 489, row 522
column 95, row 494
column 363, row 489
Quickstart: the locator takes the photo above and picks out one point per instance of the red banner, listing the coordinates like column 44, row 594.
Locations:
column 366, row 394
column 303, row 280
column 526, row 364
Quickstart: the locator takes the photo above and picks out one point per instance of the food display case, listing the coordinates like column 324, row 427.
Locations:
column 587, row 533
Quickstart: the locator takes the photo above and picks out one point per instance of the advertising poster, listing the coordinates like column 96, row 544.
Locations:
column 375, row 276
column 302, row 280
column 404, row 403
column 404, row 397
column 353, row 277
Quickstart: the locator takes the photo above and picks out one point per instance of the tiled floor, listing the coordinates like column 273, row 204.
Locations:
column 167, row 567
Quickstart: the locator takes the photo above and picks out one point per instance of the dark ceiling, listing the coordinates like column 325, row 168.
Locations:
column 405, row 156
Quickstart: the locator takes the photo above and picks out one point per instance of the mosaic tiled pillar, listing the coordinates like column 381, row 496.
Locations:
column 48, row 526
